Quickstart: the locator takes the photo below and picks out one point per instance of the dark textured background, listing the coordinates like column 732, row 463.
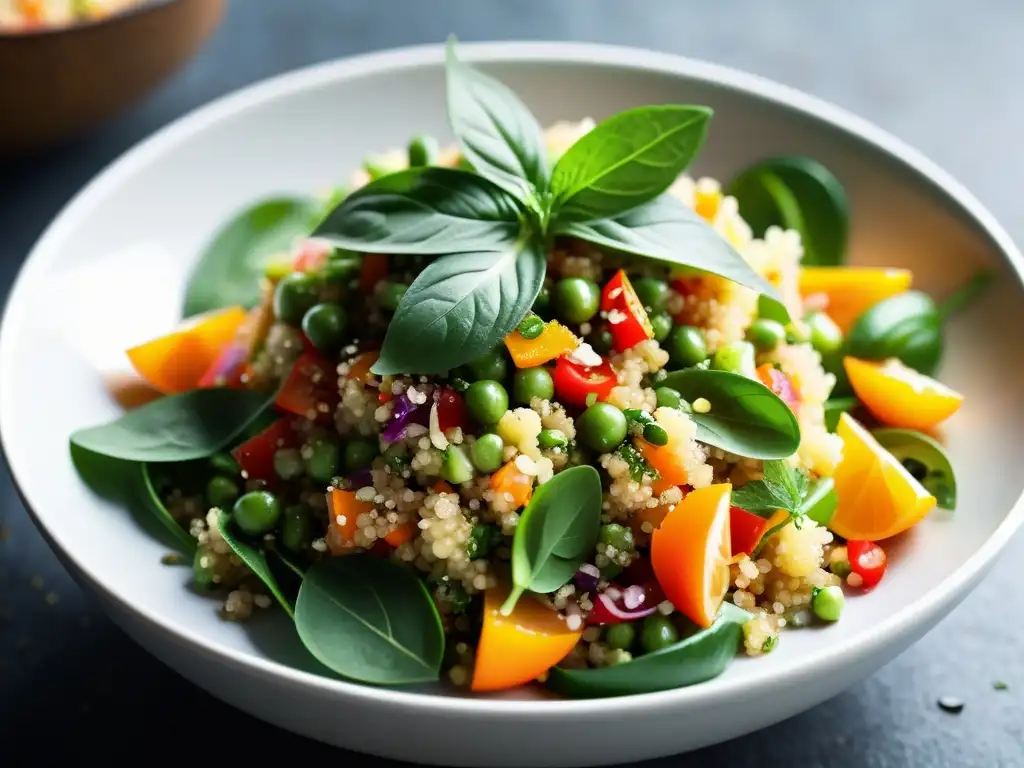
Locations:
column 944, row 79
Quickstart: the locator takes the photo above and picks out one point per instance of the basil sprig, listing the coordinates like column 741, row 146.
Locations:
column 491, row 228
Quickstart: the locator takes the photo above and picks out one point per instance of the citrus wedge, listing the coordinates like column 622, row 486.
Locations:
column 691, row 550
column 520, row 647
column 878, row 497
column 899, row 395
column 851, row 290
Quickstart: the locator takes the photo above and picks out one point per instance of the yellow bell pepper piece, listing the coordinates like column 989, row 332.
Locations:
column 900, row 396
column 554, row 341
column 851, row 290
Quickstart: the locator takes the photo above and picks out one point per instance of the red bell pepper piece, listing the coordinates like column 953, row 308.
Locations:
column 451, row 410
column 311, row 255
column 256, row 455
column 867, row 560
column 374, row 269
column 627, row 318
column 228, row 369
column 779, row 383
column 573, row 383
column 311, row 389
column 747, row 530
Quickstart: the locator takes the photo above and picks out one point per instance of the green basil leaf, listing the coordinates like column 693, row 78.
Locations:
column 820, row 501
column 461, row 306
column 152, row 501
column 255, row 560
column 925, row 458
column 907, row 326
column 498, row 134
column 229, row 270
column 626, row 160
column 191, row 425
column 796, row 193
column 699, row 657
column 759, row 498
column 370, row 619
column 793, row 482
column 291, row 564
column 427, row 210
column 746, row 418
column 668, row 231
column 556, row 532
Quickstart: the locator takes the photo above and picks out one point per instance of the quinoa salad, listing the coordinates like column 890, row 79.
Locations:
column 542, row 407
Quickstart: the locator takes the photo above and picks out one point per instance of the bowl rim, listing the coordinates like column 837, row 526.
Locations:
column 52, row 30
column 941, row 596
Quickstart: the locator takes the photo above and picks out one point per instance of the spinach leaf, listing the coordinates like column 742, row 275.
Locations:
column 702, row 655
column 255, row 560
column 924, row 458
column 152, row 501
column 626, row 160
column 427, row 210
column 498, row 134
column 907, row 326
column 556, row 532
column 461, row 306
column 370, row 619
column 666, row 230
column 191, row 425
column 229, row 269
column 746, row 418
column 797, row 193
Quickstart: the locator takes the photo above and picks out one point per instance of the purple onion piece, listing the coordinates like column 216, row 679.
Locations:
column 401, row 411
column 586, row 578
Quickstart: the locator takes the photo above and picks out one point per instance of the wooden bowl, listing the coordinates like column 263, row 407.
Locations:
column 61, row 81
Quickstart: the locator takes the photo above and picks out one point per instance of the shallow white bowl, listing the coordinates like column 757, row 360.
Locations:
column 111, row 268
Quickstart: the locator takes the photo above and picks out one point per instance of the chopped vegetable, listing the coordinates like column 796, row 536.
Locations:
column 256, row 455
column 900, row 396
column 344, row 509
column 746, row 530
column 867, row 560
column 511, row 480
column 627, row 318
column 311, row 389
column 575, row 383
column 779, row 383
column 553, row 342
column 848, row 291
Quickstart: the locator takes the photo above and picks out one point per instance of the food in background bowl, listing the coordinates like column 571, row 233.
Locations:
column 541, row 407
column 30, row 15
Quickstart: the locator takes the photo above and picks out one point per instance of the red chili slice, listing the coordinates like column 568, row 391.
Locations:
column 627, row 319
column 867, row 560
column 746, row 528
column 256, row 455
column 573, row 383
column 311, row 389
column 451, row 410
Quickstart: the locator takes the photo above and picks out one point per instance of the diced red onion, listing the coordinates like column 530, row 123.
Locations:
column 400, row 414
column 586, row 578
column 608, row 610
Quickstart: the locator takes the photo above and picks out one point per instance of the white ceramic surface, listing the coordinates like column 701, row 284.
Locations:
column 111, row 269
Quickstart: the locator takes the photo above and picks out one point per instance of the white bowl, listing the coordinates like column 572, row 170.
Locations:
column 111, row 268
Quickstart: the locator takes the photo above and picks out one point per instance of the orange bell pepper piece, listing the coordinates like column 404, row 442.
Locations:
column 402, row 534
column 375, row 269
column 510, row 480
column 520, row 647
column 341, row 528
column 554, row 341
column 851, row 290
column 899, row 395
column 360, row 368
column 176, row 362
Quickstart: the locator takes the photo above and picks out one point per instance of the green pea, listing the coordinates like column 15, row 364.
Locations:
column 601, row 341
column 294, row 296
column 423, row 150
column 324, row 326
column 225, row 464
column 687, row 347
column 360, row 453
column 221, row 491
column 737, row 357
column 620, row 636
column 323, row 461
column 297, row 528
column 602, row 427
column 657, row 633
column 661, row 323
column 552, row 438
column 487, row 401
column 456, row 467
column 288, row 463
column 826, row 336
column 392, row 295
column 656, row 378
column 655, row 434
column 827, row 603
column 532, row 382
column 652, row 292
column 482, row 540
column 668, row 397
column 490, row 365
column 765, row 334
column 531, row 327
column 576, row 300
column 341, row 267
column 202, row 569
column 257, row 512
column 618, row 536
column 488, row 452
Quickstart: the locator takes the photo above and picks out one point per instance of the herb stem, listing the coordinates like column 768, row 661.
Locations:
column 966, row 293
column 510, row 603
column 768, row 534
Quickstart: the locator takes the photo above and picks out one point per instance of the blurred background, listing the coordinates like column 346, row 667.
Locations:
column 71, row 101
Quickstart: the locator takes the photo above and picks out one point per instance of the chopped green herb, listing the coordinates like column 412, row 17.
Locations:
column 638, row 465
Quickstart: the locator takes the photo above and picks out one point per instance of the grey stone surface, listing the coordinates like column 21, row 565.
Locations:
column 941, row 75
